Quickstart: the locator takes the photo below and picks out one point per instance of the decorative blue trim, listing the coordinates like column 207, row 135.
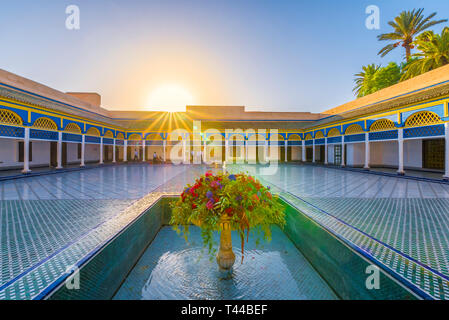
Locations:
column 427, row 131
column 309, row 142
column 90, row 139
column 36, row 115
column 43, row 134
column 383, row 135
column 334, row 140
column 438, row 109
column 355, row 137
column 154, row 142
column 108, row 141
column 294, row 143
column 320, row 141
column 360, row 123
column 11, row 131
column 23, row 114
column 71, row 137
column 329, row 129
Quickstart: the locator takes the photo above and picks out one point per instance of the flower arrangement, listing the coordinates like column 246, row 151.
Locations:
column 240, row 198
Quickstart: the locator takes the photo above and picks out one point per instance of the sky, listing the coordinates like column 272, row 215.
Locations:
column 153, row 55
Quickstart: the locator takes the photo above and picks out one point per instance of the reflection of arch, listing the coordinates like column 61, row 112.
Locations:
column 153, row 136
column 237, row 137
column 277, row 137
column 294, row 137
column 9, row 117
column 215, row 137
column 309, row 136
column 382, row 124
column 93, row 132
column 319, row 135
column 109, row 134
column 45, row 123
column 333, row 132
column 354, row 129
column 422, row 118
column 174, row 137
column 72, row 128
column 134, row 136
column 256, row 137
column 120, row 136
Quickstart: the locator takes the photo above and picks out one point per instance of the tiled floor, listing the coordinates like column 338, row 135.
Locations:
column 44, row 215
column 402, row 223
column 409, row 217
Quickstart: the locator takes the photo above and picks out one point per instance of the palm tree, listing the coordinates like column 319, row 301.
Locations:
column 363, row 80
column 434, row 53
column 407, row 26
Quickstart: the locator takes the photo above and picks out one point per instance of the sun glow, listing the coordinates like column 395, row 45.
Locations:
column 171, row 98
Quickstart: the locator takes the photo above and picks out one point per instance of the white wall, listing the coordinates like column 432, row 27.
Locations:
column 9, row 153
column 296, row 153
column 72, row 153
column 330, row 154
column 355, row 154
column 413, row 153
column 92, row 152
column 384, row 153
column 41, row 153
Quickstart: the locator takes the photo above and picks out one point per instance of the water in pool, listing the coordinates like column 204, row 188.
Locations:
column 170, row 268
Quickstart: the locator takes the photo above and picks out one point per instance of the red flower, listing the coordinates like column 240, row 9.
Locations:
column 210, row 205
column 229, row 210
column 209, row 173
column 255, row 197
column 269, row 195
column 194, row 206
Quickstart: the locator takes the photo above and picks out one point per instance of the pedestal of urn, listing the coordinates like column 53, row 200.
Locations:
column 225, row 255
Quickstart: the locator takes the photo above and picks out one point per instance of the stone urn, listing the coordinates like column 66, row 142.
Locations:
column 225, row 255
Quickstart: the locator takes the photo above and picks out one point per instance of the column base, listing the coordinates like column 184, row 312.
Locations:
column 26, row 171
column 366, row 168
column 400, row 173
column 82, row 165
column 59, row 168
column 446, row 178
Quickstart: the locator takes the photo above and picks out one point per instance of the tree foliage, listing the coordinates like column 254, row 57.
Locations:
column 406, row 26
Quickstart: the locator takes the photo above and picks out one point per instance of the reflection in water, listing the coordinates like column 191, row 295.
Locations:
column 174, row 269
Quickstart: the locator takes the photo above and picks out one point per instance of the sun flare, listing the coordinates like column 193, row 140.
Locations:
column 170, row 97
